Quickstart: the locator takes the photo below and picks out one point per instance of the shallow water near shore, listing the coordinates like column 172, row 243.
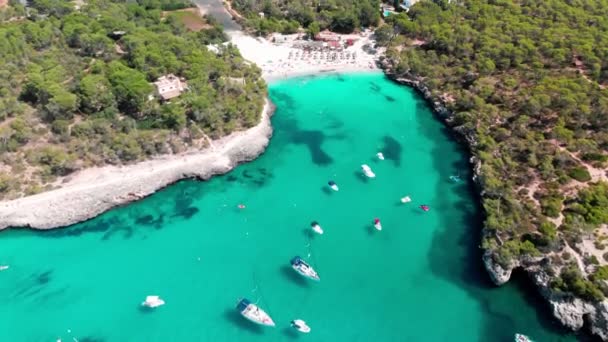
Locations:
column 419, row 279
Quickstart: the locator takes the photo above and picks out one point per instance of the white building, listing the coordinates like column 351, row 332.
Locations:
column 170, row 86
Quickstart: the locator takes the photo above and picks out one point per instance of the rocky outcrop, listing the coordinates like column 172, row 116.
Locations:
column 498, row 274
column 93, row 191
column 572, row 312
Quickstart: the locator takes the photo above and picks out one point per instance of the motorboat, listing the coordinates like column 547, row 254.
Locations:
column 4, row 267
column 425, row 207
column 153, row 302
column 316, row 227
column 333, row 185
column 522, row 338
column 368, row 171
column 406, row 199
column 253, row 313
column 377, row 224
column 304, row 268
column 380, row 155
column 300, row 325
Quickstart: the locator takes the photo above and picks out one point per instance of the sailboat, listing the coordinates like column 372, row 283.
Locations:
column 304, row 268
column 253, row 313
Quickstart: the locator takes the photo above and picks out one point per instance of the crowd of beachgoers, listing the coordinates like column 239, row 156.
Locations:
column 281, row 56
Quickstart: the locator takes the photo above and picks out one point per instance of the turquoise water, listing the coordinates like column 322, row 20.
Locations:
column 419, row 279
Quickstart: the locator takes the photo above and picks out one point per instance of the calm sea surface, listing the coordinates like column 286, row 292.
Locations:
column 419, row 279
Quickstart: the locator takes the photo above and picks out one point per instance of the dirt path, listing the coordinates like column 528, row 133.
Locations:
column 216, row 9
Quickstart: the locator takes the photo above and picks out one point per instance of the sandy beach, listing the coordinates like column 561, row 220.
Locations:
column 289, row 55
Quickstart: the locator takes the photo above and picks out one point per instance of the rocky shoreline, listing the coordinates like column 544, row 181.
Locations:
column 572, row 312
column 91, row 192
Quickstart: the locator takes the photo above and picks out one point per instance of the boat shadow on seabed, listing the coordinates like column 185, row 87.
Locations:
column 290, row 333
column 232, row 316
column 293, row 277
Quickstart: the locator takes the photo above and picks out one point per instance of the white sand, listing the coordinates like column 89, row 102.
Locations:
column 275, row 61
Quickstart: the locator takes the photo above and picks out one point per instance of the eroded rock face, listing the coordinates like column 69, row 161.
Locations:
column 498, row 274
column 571, row 311
column 599, row 320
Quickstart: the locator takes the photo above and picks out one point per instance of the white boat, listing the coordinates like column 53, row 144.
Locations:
column 368, row 171
column 300, row 325
column 253, row 313
column 4, row 267
column 380, row 155
column 377, row 224
column 406, row 199
column 333, row 185
column 153, row 302
column 304, row 268
column 522, row 338
column 316, row 228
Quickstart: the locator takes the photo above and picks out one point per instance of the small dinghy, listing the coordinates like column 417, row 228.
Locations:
column 522, row 338
column 316, row 228
column 304, row 268
column 377, row 224
column 368, row 171
column 406, row 199
column 333, row 185
column 300, row 325
column 153, row 302
column 253, row 313
column 4, row 267
column 380, row 155
column 425, row 207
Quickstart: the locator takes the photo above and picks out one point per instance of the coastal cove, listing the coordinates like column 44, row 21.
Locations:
column 419, row 279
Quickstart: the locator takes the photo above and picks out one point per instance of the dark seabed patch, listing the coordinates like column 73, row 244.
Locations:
column 96, row 225
column 186, row 213
column 312, row 139
column 391, row 148
column 374, row 87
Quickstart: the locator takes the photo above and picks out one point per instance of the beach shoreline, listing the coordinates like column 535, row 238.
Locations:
column 319, row 73
column 286, row 58
column 91, row 192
